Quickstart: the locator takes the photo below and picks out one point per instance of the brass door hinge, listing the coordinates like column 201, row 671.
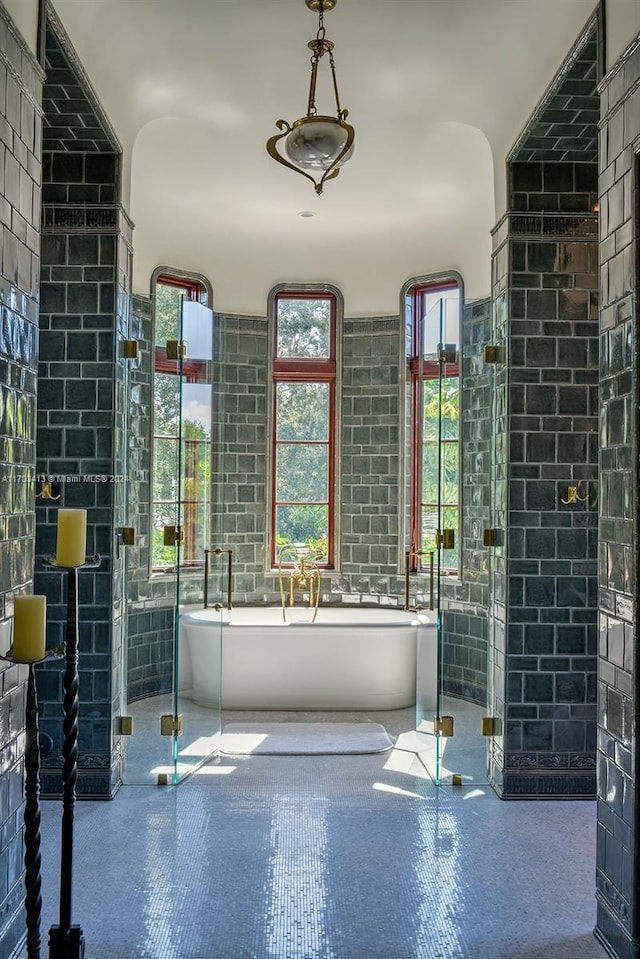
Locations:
column 447, row 353
column 173, row 535
column 488, row 537
column 495, row 354
column 491, row 725
column 176, row 350
column 128, row 536
column 129, row 349
column 124, row 725
column 443, row 726
column 446, row 538
column 171, row 725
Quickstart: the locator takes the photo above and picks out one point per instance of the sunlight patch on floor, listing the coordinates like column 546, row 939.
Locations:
column 398, row 791
column 214, row 770
column 202, row 747
column 405, row 761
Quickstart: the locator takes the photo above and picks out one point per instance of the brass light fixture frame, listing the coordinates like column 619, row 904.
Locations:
column 318, row 47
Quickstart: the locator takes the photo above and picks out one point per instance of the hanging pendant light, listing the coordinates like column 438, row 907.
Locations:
column 316, row 146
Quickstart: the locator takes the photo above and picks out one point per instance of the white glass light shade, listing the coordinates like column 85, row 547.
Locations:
column 315, row 142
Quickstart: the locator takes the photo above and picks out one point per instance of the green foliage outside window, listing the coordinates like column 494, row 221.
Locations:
column 302, row 430
column 193, row 480
column 440, row 474
column 168, row 302
column 304, row 327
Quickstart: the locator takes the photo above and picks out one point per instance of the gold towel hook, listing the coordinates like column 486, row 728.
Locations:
column 573, row 495
column 47, row 491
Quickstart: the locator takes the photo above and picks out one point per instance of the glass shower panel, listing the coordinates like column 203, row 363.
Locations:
column 196, row 715
column 449, row 727
column 146, row 668
column 429, row 385
column 170, row 733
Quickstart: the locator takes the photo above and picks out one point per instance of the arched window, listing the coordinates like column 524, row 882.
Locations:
column 304, row 427
column 432, row 314
column 181, row 473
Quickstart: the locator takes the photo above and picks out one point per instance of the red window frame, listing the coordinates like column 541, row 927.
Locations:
column 306, row 370
column 421, row 370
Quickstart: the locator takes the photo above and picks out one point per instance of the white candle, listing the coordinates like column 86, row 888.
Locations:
column 29, row 628
column 71, row 546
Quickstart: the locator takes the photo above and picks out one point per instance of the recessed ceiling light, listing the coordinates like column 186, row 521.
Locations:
column 306, row 213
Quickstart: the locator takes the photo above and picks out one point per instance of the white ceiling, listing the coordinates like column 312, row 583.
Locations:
column 437, row 90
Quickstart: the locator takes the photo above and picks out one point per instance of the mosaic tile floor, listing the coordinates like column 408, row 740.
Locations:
column 326, row 857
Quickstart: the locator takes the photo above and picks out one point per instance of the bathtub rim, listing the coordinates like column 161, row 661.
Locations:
column 200, row 616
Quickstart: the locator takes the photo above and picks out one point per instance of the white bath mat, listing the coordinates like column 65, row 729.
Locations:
column 303, row 739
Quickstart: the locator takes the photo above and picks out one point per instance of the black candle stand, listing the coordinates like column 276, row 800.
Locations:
column 66, row 941
column 32, row 860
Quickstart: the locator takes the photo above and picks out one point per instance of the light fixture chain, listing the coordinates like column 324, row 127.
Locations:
column 334, row 77
column 320, row 35
column 312, row 110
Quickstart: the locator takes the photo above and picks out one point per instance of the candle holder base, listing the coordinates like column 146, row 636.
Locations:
column 66, row 943
column 91, row 562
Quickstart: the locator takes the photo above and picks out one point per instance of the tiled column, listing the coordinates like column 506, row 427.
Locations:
column 240, row 452
column 370, row 458
column 618, row 851
column 82, row 407
column 20, row 159
column 543, row 597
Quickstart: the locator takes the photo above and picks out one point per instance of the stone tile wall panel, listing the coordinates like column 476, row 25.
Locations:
column 617, row 859
column 20, row 164
column 86, row 264
column 547, row 576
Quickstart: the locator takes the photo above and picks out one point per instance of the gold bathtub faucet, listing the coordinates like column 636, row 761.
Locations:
column 302, row 578
column 305, row 575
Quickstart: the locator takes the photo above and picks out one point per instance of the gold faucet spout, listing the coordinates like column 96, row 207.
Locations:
column 304, row 576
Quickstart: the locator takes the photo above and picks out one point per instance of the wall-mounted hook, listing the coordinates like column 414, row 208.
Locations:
column 47, row 491
column 573, row 495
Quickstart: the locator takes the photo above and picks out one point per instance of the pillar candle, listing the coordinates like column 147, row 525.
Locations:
column 71, row 547
column 29, row 628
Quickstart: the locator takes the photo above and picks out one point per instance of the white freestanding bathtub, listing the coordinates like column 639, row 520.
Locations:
column 350, row 658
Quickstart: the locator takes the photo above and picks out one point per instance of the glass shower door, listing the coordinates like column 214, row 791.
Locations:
column 194, row 723
column 167, row 732
column 449, row 728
